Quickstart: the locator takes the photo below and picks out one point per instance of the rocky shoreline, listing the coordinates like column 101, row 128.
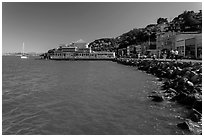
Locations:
column 182, row 83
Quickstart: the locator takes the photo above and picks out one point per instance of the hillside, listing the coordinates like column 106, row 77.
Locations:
column 185, row 22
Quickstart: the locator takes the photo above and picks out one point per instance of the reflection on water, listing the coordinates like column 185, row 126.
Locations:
column 82, row 97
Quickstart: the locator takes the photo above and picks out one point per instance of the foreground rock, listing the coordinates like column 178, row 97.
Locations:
column 182, row 83
column 191, row 126
column 157, row 98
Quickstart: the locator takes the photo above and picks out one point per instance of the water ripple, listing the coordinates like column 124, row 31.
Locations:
column 84, row 97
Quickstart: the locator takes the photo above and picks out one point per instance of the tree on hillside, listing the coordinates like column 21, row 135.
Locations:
column 162, row 20
column 189, row 21
column 103, row 44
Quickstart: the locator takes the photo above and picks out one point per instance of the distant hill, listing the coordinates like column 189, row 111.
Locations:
column 18, row 54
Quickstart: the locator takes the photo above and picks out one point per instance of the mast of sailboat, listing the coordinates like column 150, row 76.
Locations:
column 23, row 49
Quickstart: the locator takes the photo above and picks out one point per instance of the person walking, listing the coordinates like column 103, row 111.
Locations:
column 165, row 55
column 138, row 55
column 176, row 54
column 172, row 54
column 154, row 56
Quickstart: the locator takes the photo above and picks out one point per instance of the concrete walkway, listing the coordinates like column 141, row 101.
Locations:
column 168, row 60
column 183, row 60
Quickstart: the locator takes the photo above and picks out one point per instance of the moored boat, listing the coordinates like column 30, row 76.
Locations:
column 23, row 55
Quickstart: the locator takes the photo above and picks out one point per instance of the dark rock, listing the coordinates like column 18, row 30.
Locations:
column 186, row 99
column 182, row 80
column 171, row 90
column 160, row 79
column 198, row 88
column 189, row 125
column 178, row 71
column 183, row 84
column 157, row 98
column 189, row 84
column 166, row 84
column 169, row 96
column 184, row 125
column 179, row 97
column 163, row 74
column 195, row 115
column 198, row 105
column 187, row 74
column 155, row 92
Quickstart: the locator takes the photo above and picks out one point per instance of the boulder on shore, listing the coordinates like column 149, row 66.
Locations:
column 157, row 98
column 183, row 84
column 191, row 126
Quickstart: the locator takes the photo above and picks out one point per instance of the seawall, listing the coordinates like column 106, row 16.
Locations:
column 182, row 83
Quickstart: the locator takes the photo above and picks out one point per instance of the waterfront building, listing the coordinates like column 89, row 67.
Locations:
column 78, row 50
column 165, row 42
column 132, row 50
column 148, row 48
column 128, row 50
column 122, row 52
column 138, row 49
column 189, row 45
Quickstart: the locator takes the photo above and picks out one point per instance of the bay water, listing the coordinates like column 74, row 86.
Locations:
column 46, row 97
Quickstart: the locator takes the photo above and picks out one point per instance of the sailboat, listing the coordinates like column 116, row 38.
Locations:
column 23, row 56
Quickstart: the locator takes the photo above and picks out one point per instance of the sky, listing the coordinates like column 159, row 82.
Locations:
column 43, row 26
